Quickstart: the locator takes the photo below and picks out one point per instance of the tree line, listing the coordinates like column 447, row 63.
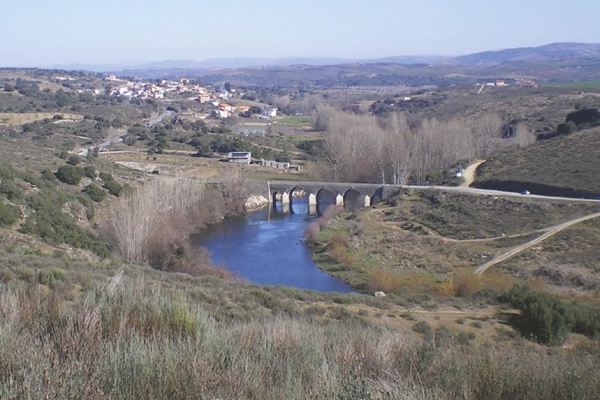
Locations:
column 396, row 150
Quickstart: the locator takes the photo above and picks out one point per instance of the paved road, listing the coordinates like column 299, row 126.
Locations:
column 490, row 192
column 159, row 118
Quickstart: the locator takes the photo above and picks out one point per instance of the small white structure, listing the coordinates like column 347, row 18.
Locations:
column 275, row 164
column 239, row 157
column 269, row 112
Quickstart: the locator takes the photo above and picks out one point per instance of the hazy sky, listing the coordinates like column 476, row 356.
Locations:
column 49, row 32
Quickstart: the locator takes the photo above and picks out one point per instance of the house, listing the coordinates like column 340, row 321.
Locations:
column 203, row 98
column 269, row 112
column 275, row 164
column 240, row 157
column 500, row 82
column 222, row 113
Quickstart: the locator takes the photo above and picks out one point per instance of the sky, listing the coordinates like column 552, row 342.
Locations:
column 43, row 33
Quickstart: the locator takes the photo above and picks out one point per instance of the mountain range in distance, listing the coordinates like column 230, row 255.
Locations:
column 485, row 59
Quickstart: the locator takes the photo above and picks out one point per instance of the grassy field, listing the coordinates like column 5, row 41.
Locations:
column 296, row 122
column 565, row 165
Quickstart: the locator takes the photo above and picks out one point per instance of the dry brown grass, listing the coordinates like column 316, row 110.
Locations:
column 384, row 281
column 466, row 283
column 126, row 339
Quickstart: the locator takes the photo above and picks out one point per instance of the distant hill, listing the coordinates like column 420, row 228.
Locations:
column 551, row 51
column 248, row 62
column 548, row 52
column 557, row 62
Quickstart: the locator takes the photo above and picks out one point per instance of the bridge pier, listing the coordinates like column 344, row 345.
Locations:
column 339, row 200
column 285, row 198
column 312, row 199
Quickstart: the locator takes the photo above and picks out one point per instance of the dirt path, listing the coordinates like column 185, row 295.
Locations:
column 431, row 232
column 553, row 230
column 469, row 173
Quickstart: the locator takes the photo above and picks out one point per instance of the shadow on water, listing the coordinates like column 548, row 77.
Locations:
column 266, row 247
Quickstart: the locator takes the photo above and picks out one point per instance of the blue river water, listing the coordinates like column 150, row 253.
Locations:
column 266, row 247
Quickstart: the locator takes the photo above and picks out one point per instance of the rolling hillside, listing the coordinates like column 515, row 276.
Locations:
column 563, row 166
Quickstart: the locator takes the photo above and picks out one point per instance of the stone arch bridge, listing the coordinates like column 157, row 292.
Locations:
column 350, row 195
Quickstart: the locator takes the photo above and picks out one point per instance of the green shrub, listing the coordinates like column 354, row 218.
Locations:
column 74, row 159
column 69, row 174
column 54, row 226
column 9, row 214
column 105, row 176
column 88, row 204
column 89, row 171
column 113, row 187
column 30, row 177
column 6, row 172
column 548, row 319
column 566, row 128
column 49, row 177
column 94, row 192
column 11, row 190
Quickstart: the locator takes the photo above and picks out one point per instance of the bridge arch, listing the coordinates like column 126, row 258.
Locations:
column 353, row 199
column 325, row 195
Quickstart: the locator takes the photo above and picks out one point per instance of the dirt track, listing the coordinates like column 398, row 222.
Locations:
column 469, row 173
column 551, row 231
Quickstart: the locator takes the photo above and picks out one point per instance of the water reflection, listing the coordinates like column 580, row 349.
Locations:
column 266, row 247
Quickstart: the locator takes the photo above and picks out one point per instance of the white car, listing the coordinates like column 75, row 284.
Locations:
column 525, row 192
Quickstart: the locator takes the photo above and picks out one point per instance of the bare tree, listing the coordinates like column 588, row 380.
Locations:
column 487, row 130
column 524, row 136
column 135, row 218
column 397, row 149
column 321, row 116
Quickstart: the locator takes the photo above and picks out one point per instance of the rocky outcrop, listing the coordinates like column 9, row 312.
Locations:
column 254, row 203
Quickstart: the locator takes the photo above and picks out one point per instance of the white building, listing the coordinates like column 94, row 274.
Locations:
column 240, row 157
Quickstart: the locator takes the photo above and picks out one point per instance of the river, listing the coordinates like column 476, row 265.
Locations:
column 266, row 247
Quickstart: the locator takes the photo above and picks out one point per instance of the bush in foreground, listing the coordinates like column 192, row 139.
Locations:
column 549, row 320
